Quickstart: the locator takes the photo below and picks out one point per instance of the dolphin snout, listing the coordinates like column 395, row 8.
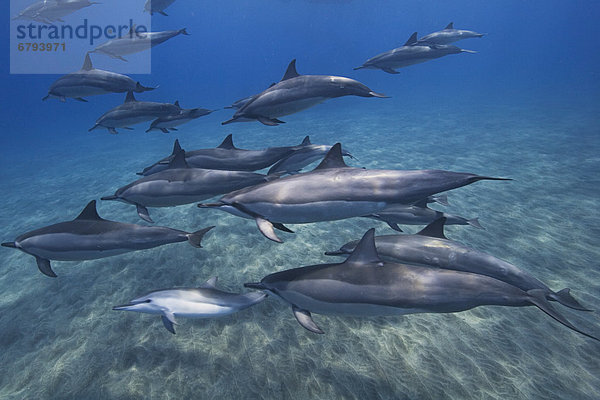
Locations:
column 112, row 197
column 380, row 95
column 335, row 253
column 123, row 307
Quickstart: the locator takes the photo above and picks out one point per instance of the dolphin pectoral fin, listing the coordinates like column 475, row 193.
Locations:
column 278, row 121
column 44, row 267
column 112, row 131
column 163, row 13
column 537, row 297
column 394, row 226
column 168, row 320
column 63, row 99
column 474, row 222
column 46, row 97
column 390, row 71
column 164, row 130
column 305, row 319
column 266, row 228
column 195, row 239
column 143, row 213
column 174, row 129
column 565, row 298
column 282, row 227
column 80, row 99
column 268, row 121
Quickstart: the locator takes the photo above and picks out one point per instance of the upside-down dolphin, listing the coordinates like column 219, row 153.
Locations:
column 180, row 184
column 205, row 301
column 448, row 35
column 157, row 6
column 295, row 93
column 409, row 54
column 50, row 11
column 334, row 191
column 135, row 42
column 365, row 285
column 89, row 237
column 430, row 247
column 418, row 214
column 89, row 81
column 298, row 159
column 227, row 157
column 133, row 112
column 169, row 122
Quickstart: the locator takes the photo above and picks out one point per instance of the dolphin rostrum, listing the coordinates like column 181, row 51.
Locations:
column 448, row 35
column 227, row 157
column 430, row 247
column 334, row 191
column 298, row 159
column 409, row 54
column 157, row 6
column 135, row 42
column 180, row 184
column 295, row 93
column 133, row 112
column 89, row 81
column 365, row 285
column 418, row 214
column 169, row 122
column 89, row 237
column 50, row 11
column 205, row 301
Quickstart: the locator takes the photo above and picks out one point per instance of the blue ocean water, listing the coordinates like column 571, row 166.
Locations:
column 526, row 106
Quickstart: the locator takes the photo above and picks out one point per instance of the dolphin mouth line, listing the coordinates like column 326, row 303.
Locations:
column 124, row 307
column 335, row 253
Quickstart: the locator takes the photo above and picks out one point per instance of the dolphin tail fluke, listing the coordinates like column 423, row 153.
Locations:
column 474, row 222
column 565, row 298
column 44, row 267
column 267, row 229
column 143, row 213
column 305, row 319
column 537, row 297
column 195, row 239
column 12, row 245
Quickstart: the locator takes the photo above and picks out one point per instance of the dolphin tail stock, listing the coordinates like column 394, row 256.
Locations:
column 565, row 298
column 183, row 31
column 195, row 238
column 537, row 297
column 474, row 222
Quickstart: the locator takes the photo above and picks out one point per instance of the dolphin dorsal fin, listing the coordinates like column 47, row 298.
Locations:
column 365, row 251
column 434, row 229
column 411, row 40
column 177, row 104
column 333, row 159
column 129, row 97
column 272, row 84
column 131, row 32
column 89, row 212
column 306, row 141
column 450, row 26
column 291, row 71
column 178, row 160
column 227, row 143
column 176, row 147
column 87, row 63
column 210, row 284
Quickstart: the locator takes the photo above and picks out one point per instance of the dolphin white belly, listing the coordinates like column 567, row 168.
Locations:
column 314, row 211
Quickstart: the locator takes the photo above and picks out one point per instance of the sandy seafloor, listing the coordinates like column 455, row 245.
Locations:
column 60, row 339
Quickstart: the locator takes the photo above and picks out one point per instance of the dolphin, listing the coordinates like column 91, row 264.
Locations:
column 135, row 42
column 298, row 159
column 50, row 11
column 89, row 237
column 133, row 112
column 205, row 301
column 430, row 247
column 334, row 191
column 409, row 54
column 240, row 103
column 448, row 35
column 169, row 122
column 295, row 93
column 89, row 81
column 365, row 285
column 227, row 157
column 181, row 184
column 157, row 6
column 418, row 214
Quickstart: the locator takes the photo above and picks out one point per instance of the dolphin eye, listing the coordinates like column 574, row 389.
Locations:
column 147, row 301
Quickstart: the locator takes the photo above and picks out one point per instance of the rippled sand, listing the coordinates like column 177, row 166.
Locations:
column 60, row 339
